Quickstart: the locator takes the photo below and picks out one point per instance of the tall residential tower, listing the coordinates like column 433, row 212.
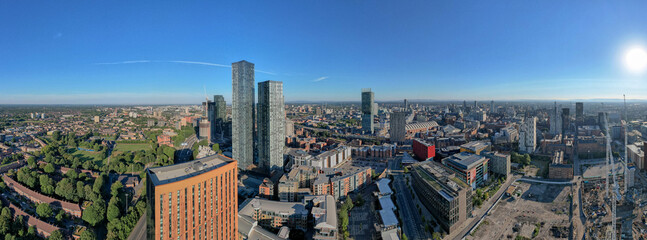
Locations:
column 193, row 200
column 242, row 76
column 368, row 110
column 271, row 125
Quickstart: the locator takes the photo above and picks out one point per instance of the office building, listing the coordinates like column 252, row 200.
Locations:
column 470, row 168
column 271, row 125
column 368, row 110
column 406, row 104
column 499, row 163
column 398, row 126
column 446, row 197
column 193, row 200
column 579, row 112
column 528, row 135
column 243, row 113
column 492, row 106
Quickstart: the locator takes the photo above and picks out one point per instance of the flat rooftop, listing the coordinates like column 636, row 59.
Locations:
column 475, row 145
column 465, row 160
column 181, row 171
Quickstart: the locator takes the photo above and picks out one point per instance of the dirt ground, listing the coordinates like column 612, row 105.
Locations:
column 533, row 206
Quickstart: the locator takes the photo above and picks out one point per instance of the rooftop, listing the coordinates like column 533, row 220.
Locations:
column 284, row 208
column 465, row 160
column 475, row 145
column 181, row 171
column 388, row 217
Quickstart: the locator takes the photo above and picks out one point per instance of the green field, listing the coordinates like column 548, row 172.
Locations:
column 86, row 155
column 124, row 147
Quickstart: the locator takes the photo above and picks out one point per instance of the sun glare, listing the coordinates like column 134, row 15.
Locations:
column 635, row 60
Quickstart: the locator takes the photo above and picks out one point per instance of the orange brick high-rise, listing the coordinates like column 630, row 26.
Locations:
column 193, row 200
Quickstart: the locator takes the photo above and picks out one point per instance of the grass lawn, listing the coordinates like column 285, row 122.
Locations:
column 124, row 147
column 86, row 155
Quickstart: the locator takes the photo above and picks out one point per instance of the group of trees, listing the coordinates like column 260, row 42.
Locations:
column 16, row 229
column 12, row 158
column 72, row 186
column 524, row 159
column 343, row 217
column 136, row 161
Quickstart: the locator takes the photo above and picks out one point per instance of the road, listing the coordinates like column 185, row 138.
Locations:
column 184, row 153
column 411, row 222
column 139, row 231
column 491, row 203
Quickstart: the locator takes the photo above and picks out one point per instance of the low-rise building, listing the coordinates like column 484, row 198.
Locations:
column 275, row 214
column 476, row 147
column 71, row 208
column 559, row 169
column 325, row 219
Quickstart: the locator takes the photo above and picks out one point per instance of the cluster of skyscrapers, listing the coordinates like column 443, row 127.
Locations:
column 270, row 135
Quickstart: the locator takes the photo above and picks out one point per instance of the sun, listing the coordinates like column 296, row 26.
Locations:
column 635, row 60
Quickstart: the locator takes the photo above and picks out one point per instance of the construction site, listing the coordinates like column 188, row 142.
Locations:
column 611, row 203
column 529, row 210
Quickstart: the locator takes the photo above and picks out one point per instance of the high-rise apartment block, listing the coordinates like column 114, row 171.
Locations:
column 243, row 113
column 579, row 112
column 368, row 110
column 528, row 135
column 271, row 125
column 555, row 121
column 193, row 200
column 398, row 126
column 218, row 116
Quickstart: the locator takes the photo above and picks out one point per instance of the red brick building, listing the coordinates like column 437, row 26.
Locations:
column 423, row 150
column 165, row 140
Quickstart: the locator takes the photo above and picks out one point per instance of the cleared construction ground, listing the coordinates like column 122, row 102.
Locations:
column 536, row 210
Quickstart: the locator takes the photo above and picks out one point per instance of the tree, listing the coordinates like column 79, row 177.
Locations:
column 113, row 209
column 216, row 147
column 56, row 235
column 404, row 237
column 436, row 236
column 95, row 213
column 31, row 161
column 88, row 234
column 98, row 184
column 5, row 220
column 44, row 210
column 49, row 168
column 46, row 184
column 60, row 215
column 80, row 189
column 116, row 188
column 66, row 189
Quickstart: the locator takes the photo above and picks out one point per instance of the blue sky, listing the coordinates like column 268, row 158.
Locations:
column 140, row 52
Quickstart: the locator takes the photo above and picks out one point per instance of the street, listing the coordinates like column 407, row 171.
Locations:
column 184, row 153
column 411, row 222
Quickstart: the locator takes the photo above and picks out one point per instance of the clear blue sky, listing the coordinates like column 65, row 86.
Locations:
column 132, row 51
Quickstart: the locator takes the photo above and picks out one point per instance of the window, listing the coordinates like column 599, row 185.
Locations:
column 177, row 205
column 170, row 213
column 162, row 217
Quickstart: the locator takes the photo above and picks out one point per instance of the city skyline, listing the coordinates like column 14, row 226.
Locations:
column 446, row 50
